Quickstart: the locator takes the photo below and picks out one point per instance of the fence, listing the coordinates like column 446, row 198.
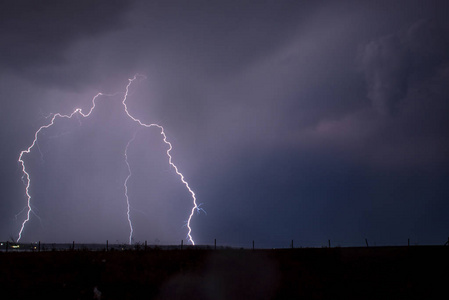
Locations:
column 38, row 246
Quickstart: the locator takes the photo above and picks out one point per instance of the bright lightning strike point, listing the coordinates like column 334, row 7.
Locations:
column 125, row 185
column 28, row 150
column 78, row 112
column 195, row 206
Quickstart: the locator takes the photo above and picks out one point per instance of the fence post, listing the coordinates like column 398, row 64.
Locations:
column 73, row 246
column 408, row 242
column 39, row 247
column 366, row 241
column 145, row 245
column 253, row 245
column 215, row 244
column 7, row 246
column 329, row 241
column 107, row 245
column 292, row 244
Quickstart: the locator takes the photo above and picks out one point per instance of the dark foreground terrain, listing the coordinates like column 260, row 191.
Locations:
column 418, row 272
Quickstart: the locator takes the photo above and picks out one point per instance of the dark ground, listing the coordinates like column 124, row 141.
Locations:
column 416, row 272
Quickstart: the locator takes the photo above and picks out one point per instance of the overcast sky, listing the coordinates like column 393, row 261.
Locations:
column 303, row 120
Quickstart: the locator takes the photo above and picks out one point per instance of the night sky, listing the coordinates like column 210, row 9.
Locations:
column 291, row 120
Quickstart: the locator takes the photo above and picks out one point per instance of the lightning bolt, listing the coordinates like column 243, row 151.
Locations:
column 131, row 230
column 79, row 112
column 164, row 137
column 26, row 175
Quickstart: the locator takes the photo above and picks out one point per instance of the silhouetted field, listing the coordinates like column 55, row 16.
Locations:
column 417, row 272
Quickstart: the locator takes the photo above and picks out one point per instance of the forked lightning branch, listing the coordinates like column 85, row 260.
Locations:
column 79, row 112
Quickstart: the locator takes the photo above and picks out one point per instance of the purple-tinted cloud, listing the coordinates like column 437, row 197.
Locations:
column 289, row 119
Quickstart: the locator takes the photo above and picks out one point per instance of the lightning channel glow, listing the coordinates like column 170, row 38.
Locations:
column 78, row 112
column 131, row 230
column 28, row 150
column 195, row 206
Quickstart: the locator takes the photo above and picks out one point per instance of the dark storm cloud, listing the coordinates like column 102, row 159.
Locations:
column 404, row 73
column 289, row 119
column 37, row 34
column 384, row 62
column 220, row 37
column 392, row 61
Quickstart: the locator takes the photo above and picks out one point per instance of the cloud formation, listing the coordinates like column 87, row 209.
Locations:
column 395, row 62
column 289, row 119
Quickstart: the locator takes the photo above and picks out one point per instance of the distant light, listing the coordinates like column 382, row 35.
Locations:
column 16, row 246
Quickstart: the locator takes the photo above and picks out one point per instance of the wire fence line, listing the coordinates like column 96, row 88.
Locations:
column 41, row 247
column 10, row 246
